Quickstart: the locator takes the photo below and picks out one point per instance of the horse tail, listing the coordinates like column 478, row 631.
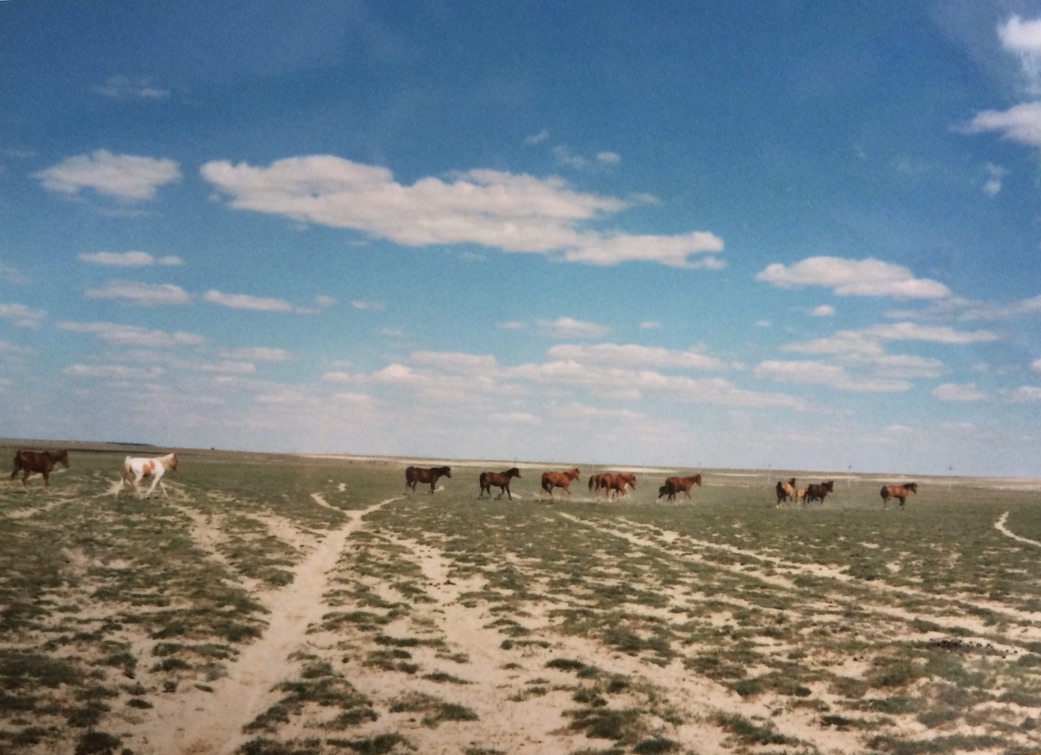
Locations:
column 17, row 464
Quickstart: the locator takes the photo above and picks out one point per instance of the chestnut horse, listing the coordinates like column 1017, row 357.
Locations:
column 615, row 483
column 420, row 474
column 785, row 490
column 28, row 462
column 137, row 468
column 674, row 485
column 562, row 480
column 500, row 480
column 899, row 492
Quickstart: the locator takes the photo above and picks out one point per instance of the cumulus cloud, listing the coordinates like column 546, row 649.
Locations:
column 632, row 355
column 257, row 354
column 568, row 327
column 494, row 209
column 824, row 310
column 823, row 373
column 1020, row 123
column 1035, row 366
column 958, row 392
column 132, row 335
column 128, row 259
column 113, row 372
column 141, row 294
column 845, row 277
column 244, row 301
column 127, row 177
column 22, row 316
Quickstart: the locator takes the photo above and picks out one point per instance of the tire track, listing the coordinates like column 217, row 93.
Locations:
column 1027, row 621
column 211, row 723
column 1004, row 530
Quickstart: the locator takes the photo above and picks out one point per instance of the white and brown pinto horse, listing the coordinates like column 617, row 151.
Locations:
column 28, row 462
column 136, row 468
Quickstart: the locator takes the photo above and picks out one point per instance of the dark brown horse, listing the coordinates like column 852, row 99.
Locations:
column 421, row 474
column 900, row 492
column 562, row 480
column 818, row 491
column 500, row 480
column 594, row 482
column 674, row 485
column 785, row 490
column 28, row 462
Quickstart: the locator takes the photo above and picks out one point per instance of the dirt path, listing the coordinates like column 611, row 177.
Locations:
column 1004, row 530
column 201, row 722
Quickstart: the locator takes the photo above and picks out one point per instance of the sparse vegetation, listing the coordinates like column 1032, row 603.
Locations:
column 869, row 623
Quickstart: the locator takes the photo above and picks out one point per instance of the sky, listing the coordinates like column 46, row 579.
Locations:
column 797, row 234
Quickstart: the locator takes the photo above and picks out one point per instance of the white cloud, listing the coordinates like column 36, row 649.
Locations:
column 1020, row 123
column 909, row 331
column 824, row 310
column 632, row 355
column 867, row 277
column 568, row 327
column 258, row 354
column 538, row 138
column 127, row 177
column 494, row 209
column 22, row 316
column 244, row 301
column 132, row 335
column 128, row 259
column 1021, row 37
column 1035, row 366
column 370, row 306
column 141, row 294
column 958, row 392
column 1027, row 393
column 995, row 174
column 125, row 87
column 823, row 373
column 113, row 372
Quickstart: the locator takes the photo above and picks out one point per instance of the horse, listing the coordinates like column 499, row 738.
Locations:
column 500, row 480
column 562, row 480
column 137, row 468
column 676, row 484
column 800, row 495
column 898, row 491
column 616, row 482
column 785, row 490
column 594, row 483
column 817, row 492
column 43, row 462
column 420, row 474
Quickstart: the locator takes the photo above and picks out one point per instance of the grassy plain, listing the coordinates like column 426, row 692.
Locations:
column 272, row 605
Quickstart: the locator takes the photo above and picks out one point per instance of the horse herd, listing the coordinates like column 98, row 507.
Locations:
column 616, row 484
column 612, row 484
column 135, row 469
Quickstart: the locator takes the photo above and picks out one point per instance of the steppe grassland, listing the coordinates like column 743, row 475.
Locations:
column 460, row 623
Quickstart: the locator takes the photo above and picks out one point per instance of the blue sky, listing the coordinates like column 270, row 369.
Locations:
column 789, row 234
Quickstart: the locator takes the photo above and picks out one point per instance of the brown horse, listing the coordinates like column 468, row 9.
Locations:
column 785, row 490
column 421, row 474
column 674, row 485
column 900, row 492
column 28, row 462
column 500, row 480
column 562, row 480
column 818, row 491
column 615, row 483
